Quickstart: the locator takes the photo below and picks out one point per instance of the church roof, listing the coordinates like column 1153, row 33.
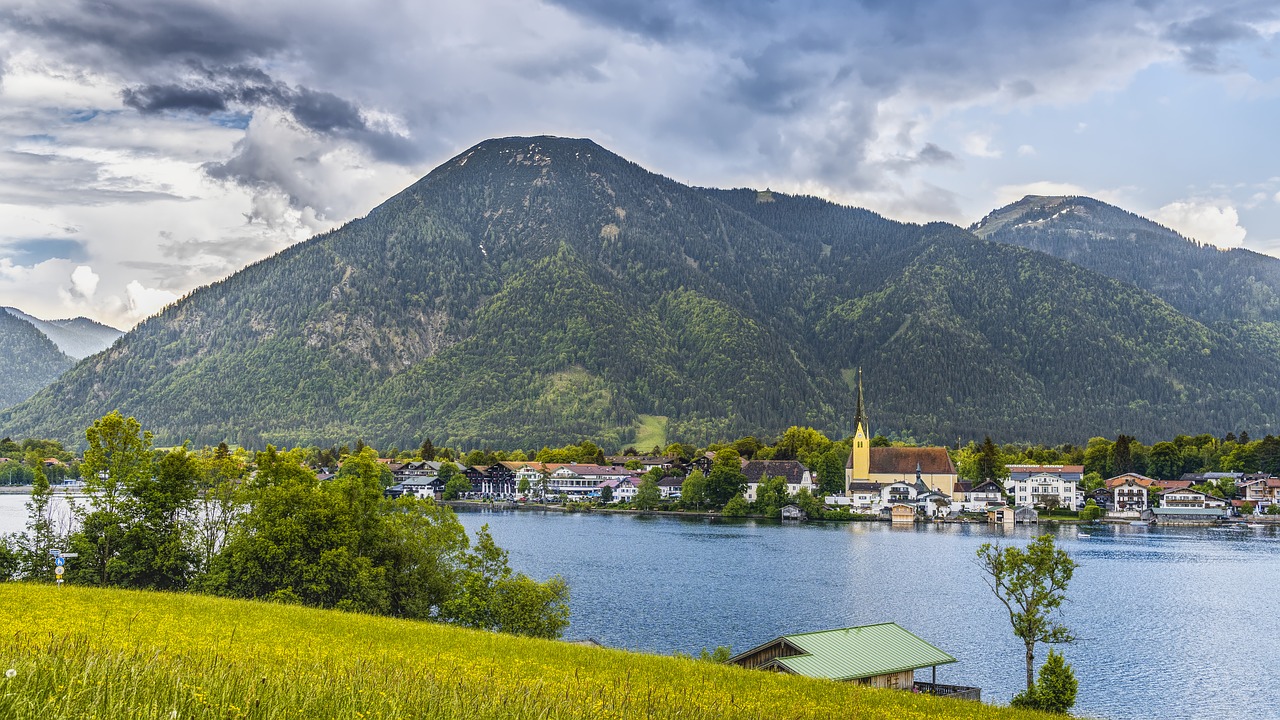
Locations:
column 903, row 460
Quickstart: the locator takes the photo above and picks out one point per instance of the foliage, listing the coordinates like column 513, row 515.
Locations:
column 771, row 495
column 648, row 494
column 117, row 460
column 87, row 653
column 736, row 507
column 693, row 491
column 726, row 479
column 1032, row 585
column 456, row 487
column 1090, row 512
column 1055, row 688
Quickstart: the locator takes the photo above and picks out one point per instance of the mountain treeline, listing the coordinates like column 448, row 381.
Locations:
column 536, row 291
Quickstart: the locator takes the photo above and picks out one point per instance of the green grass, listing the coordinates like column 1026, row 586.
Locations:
column 86, row 653
column 651, row 432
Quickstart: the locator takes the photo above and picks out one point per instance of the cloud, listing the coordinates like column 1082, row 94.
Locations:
column 1202, row 40
column 84, row 282
column 1204, row 220
column 1026, row 151
column 979, row 145
column 144, row 301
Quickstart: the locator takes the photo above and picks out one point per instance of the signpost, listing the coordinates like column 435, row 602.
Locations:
column 59, row 563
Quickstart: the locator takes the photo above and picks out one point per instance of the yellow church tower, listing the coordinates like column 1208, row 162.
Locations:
column 858, row 469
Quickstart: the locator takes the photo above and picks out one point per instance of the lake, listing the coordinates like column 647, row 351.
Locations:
column 1172, row 622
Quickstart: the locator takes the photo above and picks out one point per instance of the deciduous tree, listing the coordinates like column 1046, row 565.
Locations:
column 1031, row 583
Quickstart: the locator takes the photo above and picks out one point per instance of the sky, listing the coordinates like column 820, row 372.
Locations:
column 148, row 147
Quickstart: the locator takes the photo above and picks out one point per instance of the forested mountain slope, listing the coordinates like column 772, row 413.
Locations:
column 544, row 290
column 29, row 361
column 77, row 337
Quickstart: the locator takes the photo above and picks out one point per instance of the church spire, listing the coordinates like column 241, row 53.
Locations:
column 860, row 419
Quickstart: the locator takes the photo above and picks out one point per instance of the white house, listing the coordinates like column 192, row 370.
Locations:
column 793, row 472
column 624, row 490
column 1188, row 498
column 1029, row 490
column 977, row 498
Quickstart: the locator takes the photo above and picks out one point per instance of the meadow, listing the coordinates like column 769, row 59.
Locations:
column 75, row 652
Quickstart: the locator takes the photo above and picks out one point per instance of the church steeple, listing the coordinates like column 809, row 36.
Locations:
column 858, row 468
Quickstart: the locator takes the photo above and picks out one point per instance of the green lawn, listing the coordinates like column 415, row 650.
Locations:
column 651, row 431
column 85, row 653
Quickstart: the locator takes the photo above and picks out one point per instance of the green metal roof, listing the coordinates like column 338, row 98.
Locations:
column 860, row 652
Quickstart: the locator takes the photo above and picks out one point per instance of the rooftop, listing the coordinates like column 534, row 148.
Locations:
column 856, row 652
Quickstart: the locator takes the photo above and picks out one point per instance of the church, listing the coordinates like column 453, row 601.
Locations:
column 884, row 465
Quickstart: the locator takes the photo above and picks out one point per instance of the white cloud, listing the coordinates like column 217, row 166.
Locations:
column 979, row 145
column 144, row 301
column 1006, row 194
column 1203, row 220
column 1026, row 150
column 84, row 281
column 1277, row 197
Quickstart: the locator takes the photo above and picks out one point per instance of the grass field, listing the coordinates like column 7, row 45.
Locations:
column 84, row 653
column 651, row 432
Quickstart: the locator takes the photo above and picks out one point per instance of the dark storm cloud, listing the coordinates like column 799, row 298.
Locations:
column 1202, row 40
column 34, row 251
column 144, row 33
column 217, row 90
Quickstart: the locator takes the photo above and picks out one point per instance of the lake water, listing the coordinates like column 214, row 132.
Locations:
column 1172, row 622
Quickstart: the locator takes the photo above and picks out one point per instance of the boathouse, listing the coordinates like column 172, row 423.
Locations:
column 882, row 656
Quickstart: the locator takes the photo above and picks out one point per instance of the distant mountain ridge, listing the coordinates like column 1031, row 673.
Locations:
column 544, row 290
column 78, row 337
column 29, row 361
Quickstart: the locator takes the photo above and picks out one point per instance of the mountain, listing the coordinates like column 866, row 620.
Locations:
column 544, row 290
column 1236, row 290
column 77, row 337
column 29, row 361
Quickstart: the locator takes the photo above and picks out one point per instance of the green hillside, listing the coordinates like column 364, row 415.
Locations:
column 29, row 361
column 540, row 291
column 75, row 652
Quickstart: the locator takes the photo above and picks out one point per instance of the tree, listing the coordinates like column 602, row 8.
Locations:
column 990, row 463
column 1090, row 512
column 1055, row 689
column 156, row 551
column 118, row 457
column 606, row 494
column 648, row 495
column 1032, row 584
column 1122, row 454
column 427, row 451
column 219, row 501
column 694, row 489
column 736, row 507
column 771, row 495
column 492, row 597
column 523, row 486
column 42, row 535
column 456, row 487
column 726, row 479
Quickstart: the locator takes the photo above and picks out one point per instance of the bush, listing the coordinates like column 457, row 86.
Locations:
column 1090, row 511
column 1055, row 688
column 736, row 507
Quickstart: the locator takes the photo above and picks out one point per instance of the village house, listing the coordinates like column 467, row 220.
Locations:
column 1047, row 486
column 646, row 462
column 979, row 497
column 582, row 480
column 670, row 487
column 623, row 490
column 1261, row 491
column 795, row 474
column 1130, row 495
column 1188, row 498
column 880, row 656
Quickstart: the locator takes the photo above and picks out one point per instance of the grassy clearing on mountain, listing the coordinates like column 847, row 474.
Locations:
column 651, row 432
column 89, row 653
